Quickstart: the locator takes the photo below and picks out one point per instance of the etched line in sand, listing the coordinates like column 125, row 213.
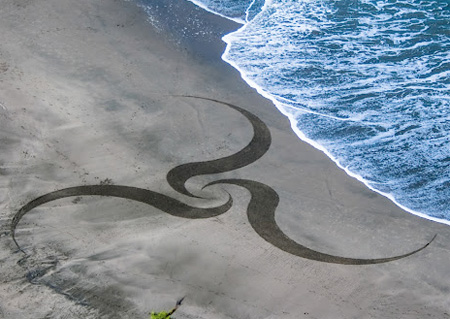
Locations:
column 260, row 211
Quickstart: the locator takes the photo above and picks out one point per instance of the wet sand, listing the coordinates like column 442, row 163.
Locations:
column 137, row 167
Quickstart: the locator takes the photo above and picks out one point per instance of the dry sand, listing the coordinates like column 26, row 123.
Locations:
column 88, row 96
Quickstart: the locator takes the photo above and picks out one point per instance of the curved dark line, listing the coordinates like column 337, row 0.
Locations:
column 157, row 200
column 260, row 211
column 261, row 215
column 254, row 150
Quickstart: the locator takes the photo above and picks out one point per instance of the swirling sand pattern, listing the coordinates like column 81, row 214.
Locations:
column 257, row 147
column 260, row 211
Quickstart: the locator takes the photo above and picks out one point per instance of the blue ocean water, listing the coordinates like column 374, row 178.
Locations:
column 365, row 81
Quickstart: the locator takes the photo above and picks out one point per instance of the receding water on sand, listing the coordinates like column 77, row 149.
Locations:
column 367, row 82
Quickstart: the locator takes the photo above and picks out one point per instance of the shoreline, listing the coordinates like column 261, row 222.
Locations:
column 91, row 98
column 299, row 133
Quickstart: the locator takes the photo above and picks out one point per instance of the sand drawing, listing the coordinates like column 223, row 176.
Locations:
column 260, row 211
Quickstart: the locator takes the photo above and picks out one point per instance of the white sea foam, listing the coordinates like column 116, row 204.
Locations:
column 367, row 83
column 220, row 8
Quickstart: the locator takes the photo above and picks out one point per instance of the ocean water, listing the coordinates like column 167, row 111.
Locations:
column 365, row 81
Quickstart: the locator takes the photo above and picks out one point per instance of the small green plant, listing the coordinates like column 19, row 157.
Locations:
column 164, row 314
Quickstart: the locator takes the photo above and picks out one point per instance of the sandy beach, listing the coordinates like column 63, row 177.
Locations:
column 98, row 103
